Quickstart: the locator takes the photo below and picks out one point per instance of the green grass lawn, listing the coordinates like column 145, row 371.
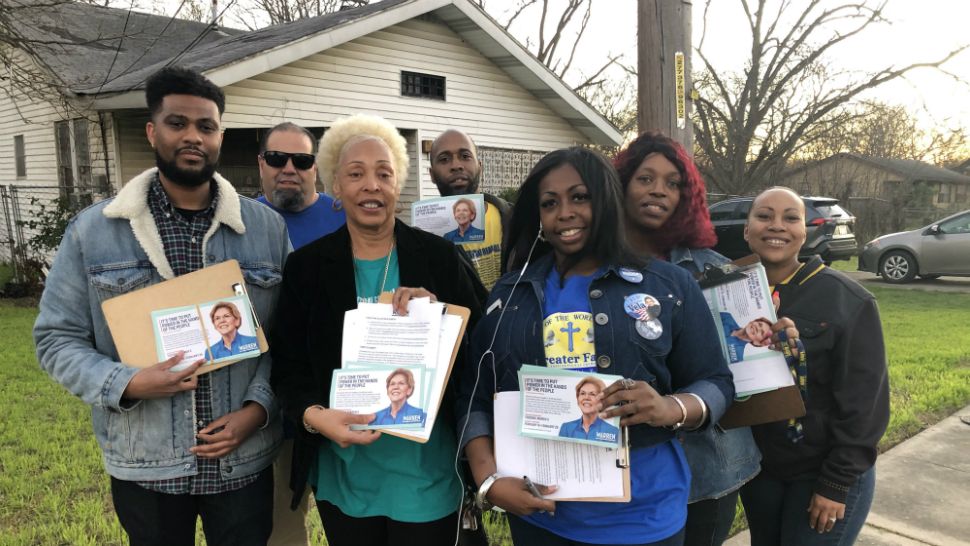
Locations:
column 53, row 489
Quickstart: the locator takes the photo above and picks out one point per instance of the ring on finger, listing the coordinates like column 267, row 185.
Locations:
column 627, row 383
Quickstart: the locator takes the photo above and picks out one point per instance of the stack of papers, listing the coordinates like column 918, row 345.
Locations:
column 397, row 367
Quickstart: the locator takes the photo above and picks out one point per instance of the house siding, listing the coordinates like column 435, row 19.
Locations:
column 363, row 75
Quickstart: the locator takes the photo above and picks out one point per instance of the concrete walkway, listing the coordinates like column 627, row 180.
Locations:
column 922, row 490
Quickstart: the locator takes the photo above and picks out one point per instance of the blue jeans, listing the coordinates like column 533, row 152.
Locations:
column 777, row 512
column 524, row 533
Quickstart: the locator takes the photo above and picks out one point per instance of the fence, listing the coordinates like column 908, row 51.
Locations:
column 20, row 207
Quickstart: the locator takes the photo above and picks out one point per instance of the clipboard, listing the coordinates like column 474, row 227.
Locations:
column 506, row 433
column 129, row 315
column 456, row 310
column 766, row 407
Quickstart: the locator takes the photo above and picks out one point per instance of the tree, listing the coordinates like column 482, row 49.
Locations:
column 878, row 129
column 609, row 88
column 748, row 125
column 254, row 14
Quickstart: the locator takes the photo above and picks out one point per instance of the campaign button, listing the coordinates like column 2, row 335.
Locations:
column 630, row 275
column 650, row 329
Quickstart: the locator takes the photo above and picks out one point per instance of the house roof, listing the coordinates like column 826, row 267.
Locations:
column 90, row 47
column 909, row 169
column 149, row 42
column 912, row 169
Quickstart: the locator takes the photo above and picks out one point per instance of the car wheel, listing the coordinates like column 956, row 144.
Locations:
column 898, row 267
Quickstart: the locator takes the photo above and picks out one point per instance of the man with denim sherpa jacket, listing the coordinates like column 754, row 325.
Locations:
column 177, row 446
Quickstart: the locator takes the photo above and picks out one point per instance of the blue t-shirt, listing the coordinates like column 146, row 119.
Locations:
column 735, row 345
column 240, row 344
column 408, row 415
column 600, row 431
column 472, row 235
column 311, row 223
column 659, row 475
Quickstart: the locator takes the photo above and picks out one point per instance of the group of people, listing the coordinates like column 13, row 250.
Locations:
column 586, row 237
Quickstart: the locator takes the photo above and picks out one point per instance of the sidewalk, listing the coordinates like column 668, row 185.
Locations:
column 922, row 490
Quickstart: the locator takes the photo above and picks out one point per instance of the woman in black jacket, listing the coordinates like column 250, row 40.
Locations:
column 370, row 488
column 818, row 476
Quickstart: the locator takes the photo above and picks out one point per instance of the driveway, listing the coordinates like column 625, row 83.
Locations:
column 942, row 284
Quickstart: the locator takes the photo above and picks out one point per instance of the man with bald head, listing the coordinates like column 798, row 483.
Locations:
column 456, row 170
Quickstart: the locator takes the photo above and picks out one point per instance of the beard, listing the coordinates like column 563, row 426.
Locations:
column 445, row 189
column 184, row 177
column 289, row 199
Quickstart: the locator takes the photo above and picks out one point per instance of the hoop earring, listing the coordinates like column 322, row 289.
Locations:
column 337, row 205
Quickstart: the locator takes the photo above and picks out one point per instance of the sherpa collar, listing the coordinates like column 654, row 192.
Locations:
column 131, row 204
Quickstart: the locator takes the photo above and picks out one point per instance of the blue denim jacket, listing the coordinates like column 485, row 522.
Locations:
column 113, row 247
column 685, row 358
column 720, row 460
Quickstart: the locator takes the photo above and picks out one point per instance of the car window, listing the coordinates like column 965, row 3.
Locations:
column 826, row 210
column 741, row 213
column 960, row 224
column 722, row 211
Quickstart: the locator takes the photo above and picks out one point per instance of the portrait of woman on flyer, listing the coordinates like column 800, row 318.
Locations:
column 569, row 255
column 817, row 475
column 370, row 488
column 667, row 217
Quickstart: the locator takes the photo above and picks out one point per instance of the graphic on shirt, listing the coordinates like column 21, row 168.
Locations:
column 568, row 341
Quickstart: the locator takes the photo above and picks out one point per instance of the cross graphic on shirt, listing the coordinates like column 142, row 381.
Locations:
column 569, row 330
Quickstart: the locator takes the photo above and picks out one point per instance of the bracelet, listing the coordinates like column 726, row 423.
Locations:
column 703, row 409
column 306, row 425
column 683, row 412
column 480, row 499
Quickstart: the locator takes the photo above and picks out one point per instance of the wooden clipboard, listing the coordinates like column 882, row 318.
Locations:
column 464, row 313
column 766, row 407
column 129, row 315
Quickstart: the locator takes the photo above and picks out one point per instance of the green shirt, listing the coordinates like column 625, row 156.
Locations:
column 392, row 477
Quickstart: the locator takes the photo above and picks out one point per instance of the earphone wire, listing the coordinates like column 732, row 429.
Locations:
column 478, row 375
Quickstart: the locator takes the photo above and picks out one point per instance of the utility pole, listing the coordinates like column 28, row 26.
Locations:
column 663, row 68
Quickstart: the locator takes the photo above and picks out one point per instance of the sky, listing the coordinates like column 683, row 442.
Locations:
column 917, row 32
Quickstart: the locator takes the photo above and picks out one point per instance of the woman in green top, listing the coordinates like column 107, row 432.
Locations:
column 370, row 488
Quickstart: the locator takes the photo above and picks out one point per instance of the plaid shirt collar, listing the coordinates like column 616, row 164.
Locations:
column 158, row 197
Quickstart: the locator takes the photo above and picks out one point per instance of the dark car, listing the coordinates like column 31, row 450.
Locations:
column 830, row 228
column 941, row 248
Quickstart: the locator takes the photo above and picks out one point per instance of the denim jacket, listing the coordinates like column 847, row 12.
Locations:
column 685, row 358
column 113, row 247
column 720, row 460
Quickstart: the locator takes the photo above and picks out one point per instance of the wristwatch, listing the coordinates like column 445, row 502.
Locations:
column 480, row 499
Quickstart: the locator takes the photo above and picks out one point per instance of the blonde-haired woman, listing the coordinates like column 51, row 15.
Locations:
column 370, row 488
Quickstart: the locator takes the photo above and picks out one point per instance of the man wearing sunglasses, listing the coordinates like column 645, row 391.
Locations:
column 288, row 172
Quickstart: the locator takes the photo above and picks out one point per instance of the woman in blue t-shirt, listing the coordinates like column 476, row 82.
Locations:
column 582, row 300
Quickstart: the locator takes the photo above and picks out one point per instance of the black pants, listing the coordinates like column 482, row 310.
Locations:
column 709, row 521
column 342, row 529
column 242, row 517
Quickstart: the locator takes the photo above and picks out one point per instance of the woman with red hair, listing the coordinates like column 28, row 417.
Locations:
column 667, row 217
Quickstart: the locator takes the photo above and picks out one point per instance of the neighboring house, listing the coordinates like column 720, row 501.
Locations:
column 963, row 168
column 852, row 176
column 425, row 65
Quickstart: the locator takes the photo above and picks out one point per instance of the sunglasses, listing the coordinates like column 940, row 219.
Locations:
column 278, row 160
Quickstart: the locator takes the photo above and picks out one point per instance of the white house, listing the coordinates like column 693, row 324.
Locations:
column 425, row 65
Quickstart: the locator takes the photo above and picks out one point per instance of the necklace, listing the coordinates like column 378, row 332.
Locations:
column 387, row 266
